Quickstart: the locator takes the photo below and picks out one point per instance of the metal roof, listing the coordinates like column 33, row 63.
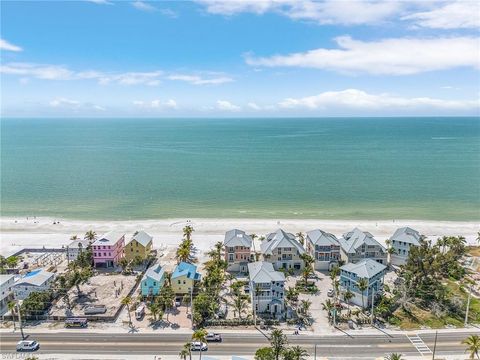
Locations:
column 237, row 237
column 366, row 268
column 263, row 272
column 281, row 239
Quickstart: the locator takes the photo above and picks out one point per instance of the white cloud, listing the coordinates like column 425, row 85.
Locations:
column 65, row 103
column 198, row 80
column 452, row 15
column 396, row 56
column 227, row 106
column 133, row 78
column 101, row 2
column 5, row 45
column 254, row 106
column 156, row 104
column 59, row 72
column 324, row 12
column 142, row 5
column 358, row 99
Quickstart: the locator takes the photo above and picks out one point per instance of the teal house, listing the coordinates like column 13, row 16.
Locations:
column 153, row 281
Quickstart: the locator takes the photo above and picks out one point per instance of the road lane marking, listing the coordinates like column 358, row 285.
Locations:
column 419, row 344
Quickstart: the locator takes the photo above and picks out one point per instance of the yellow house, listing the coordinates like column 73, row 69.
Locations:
column 184, row 278
column 140, row 245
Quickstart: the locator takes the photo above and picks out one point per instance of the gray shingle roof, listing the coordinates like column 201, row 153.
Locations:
column 263, row 272
column 237, row 237
column 366, row 268
column 356, row 238
column 407, row 235
column 142, row 238
column 280, row 238
column 322, row 238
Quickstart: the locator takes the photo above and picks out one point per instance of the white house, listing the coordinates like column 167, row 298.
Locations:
column 324, row 248
column 357, row 245
column 267, row 288
column 6, row 293
column 282, row 250
column 37, row 280
column 75, row 248
column 402, row 241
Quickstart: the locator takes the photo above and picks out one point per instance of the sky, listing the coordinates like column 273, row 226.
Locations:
column 217, row 58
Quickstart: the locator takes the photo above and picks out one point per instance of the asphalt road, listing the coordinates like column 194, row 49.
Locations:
column 345, row 346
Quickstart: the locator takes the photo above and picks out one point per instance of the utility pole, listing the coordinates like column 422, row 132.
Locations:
column 315, row 352
column 191, row 305
column 373, row 300
column 435, row 345
column 468, row 306
column 19, row 319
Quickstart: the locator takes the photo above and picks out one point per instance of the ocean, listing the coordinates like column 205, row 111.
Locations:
column 325, row 168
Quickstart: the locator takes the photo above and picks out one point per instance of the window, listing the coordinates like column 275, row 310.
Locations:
column 179, row 282
column 184, row 282
column 104, row 254
column 154, row 283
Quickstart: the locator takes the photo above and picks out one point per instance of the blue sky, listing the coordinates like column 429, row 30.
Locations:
column 205, row 58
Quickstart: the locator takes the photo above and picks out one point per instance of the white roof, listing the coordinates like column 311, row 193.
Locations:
column 366, row 268
column 407, row 235
column 322, row 238
column 142, row 238
column 263, row 272
column 35, row 278
column 5, row 278
column 155, row 272
column 237, row 237
column 110, row 238
column 280, row 239
column 356, row 238
column 76, row 244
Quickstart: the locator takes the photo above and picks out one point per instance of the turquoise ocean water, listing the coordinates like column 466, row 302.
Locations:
column 337, row 168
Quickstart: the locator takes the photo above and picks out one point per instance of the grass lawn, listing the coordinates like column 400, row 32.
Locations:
column 423, row 317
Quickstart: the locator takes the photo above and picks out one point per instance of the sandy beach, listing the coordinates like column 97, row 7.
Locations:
column 16, row 233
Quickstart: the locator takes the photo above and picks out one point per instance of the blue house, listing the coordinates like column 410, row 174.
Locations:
column 153, row 280
column 184, row 277
column 372, row 271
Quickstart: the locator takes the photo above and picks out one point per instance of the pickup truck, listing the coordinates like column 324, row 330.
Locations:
column 213, row 337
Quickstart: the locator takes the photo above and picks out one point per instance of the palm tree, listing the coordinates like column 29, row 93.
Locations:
column 74, row 237
column 394, row 356
column 127, row 300
column 187, row 232
column 278, row 342
column 347, row 296
column 154, row 310
column 200, row 335
column 301, row 238
column 473, row 346
column 90, row 235
column 11, row 307
column 362, row 286
column 186, row 350
column 12, row 261
column 295, row 353
column 328, row 307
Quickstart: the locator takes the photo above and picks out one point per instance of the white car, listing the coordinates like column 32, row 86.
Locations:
column 199, row 346
column 28, row 345
column 330, row 293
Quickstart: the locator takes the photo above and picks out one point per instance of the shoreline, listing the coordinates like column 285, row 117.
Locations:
column 18, row 232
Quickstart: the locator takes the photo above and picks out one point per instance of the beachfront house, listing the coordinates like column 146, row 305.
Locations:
column 184, row 278
column 139, row 246
column 282, row 250
column 357, row 245
column 108, row 249
column 372, row 271
column 267, row 288
column 237, row 250
column 153, row 280
column 6, row 292
column 324, row 248
column 401, row 242
column 34, row 281
column 75, row 248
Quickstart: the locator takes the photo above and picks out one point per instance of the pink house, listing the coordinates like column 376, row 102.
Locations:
column 108, row 249
column 237, row 250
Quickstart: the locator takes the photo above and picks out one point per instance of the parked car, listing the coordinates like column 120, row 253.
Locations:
column 178, row 302
column 28, row 345
column 213, row 337
column 140, row 311
column 199, row 346
column 330, row 293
